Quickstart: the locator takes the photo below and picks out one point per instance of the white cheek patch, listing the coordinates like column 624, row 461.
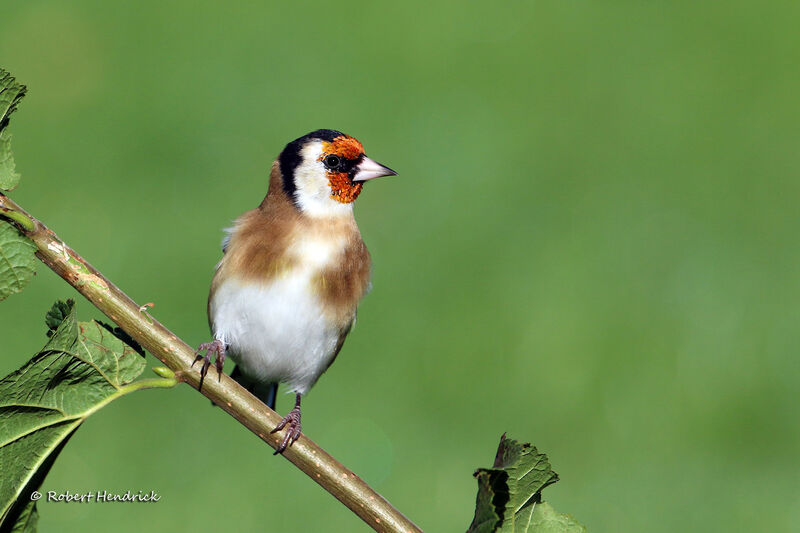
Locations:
column 313, row 191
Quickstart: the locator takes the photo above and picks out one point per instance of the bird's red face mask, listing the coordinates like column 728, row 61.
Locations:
column 347, row 168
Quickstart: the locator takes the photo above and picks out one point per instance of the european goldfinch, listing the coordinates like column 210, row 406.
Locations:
column 293, row 271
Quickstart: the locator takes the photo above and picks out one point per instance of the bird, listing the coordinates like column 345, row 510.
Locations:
column 284, row 295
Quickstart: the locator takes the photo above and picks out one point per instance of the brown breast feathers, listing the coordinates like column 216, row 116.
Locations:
column 260, row 250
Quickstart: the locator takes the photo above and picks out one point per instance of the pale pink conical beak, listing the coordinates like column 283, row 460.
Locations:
column 368, row 169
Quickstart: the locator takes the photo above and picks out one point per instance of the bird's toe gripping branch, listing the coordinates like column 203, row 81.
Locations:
column 214, row 347
column 292, row 420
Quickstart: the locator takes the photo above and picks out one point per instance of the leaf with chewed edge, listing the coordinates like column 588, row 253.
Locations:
column 510, row 494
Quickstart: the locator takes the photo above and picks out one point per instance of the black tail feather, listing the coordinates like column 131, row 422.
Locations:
column 264, row 392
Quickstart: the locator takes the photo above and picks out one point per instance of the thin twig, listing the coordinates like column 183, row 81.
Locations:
column 343, row 484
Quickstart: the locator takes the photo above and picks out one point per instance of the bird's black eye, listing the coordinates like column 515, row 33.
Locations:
column 332, row 161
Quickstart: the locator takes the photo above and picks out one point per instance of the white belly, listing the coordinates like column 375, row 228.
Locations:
column 276, row 332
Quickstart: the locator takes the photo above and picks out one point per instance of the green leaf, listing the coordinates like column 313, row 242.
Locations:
column 122, row 335
column 492, row 498
column 56, row 315
column 17, row 260
column 28, row 519
column 547, row 520
column 510, row 493
column 82, row 368
column 11, row 93
column 9, row 177
column 528, row 473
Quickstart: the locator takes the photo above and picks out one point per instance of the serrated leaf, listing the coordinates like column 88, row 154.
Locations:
column 17, row 260
column 56, row 315
column 510, row 493
column 11, row 93
column 528, row 473
column 81, row 368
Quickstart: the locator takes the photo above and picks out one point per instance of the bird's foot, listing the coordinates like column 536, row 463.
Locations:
column 292, row 422
column 214, row 347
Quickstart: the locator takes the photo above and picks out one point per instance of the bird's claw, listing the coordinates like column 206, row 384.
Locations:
column 214, row 347
column 292, row 420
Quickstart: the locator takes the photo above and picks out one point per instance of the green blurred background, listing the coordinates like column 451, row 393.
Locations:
column 592, row 245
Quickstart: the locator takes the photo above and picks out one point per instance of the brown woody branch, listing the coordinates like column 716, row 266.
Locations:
column 343, row 484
